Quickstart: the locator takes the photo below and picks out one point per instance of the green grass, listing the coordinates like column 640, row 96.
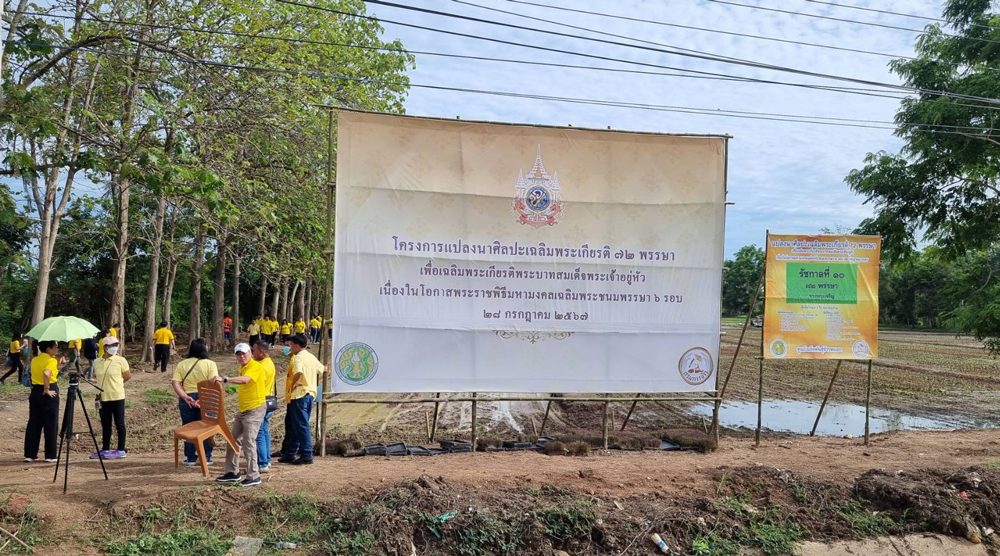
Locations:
column 714, row 545
column 12, row 386
column 772, row 535
column 993, row 464
column 350, row 544
column 24, row 523
column 488, row 534
column 864, row 522
column 159, row 396
column 197, row 541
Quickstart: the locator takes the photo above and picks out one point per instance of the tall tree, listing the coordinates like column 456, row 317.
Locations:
column 943, row 185
column 739, row 278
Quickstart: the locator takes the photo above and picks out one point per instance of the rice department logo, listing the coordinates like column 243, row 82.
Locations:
column 357, row 363
column 537, row 200
column 779, row 348
column 696, row 366
column 861, row 349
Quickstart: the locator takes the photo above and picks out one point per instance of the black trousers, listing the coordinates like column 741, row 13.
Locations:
column 113, row 410
column 254, row 338
column 161, row 356
column 15, row 366
column 43, row 416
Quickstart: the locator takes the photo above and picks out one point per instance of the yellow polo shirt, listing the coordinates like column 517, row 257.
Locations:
column 163, row 336
column 41, row 362
column 113, row 332
column 110, row 376
column 15, row 347
column 75, row 344
column 253, row 329
column 251, row 395
column 274, row 327
column 268, row 378
column 203, row 370
column 300, row 326
column 311, row 369
column 315, row 323
column 286, row 328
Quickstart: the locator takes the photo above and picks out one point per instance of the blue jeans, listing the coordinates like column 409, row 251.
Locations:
column 298, row 438
column 188, row 415
column 264, row 441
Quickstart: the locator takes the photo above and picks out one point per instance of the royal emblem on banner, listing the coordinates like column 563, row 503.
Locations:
column 537, row 201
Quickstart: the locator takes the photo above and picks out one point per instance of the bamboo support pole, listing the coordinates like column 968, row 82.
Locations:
column 825, row 398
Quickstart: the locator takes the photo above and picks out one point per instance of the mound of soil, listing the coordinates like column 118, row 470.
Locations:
column 961, row 503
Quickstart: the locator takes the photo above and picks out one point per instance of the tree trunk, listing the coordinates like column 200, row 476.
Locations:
column 293, row 301
column 149, row 324
column 308, row 310
column 275, row 300
column 168, row 288
column 263, row 295
column 236, row 297
column 194, row 320
column 300, row 307
column 219, row 293
column 284, row 299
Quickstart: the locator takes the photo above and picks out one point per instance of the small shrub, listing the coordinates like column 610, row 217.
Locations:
column 554, row 448
column 800, row 493
column 570, row 521
column 158, row 396
column 714, row 545
column 652, row 442
column 350, row 544
column 578, row 449
column 771, row 536
column 487, row 534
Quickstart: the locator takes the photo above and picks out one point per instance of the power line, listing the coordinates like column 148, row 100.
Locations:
column 710, row 30
column 844, row 20
column 790, row 118
column 758, row 65
column 689, row 74
column 694, row 74
column 886, row 12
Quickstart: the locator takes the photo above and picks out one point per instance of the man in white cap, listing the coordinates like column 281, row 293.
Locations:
column 252, row 393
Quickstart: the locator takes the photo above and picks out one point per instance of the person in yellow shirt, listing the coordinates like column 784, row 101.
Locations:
column 113, row 331
column 253, row 330
column 163, row 339
column 329, row 329
column 300, row 326
column 286, row 330
column 275, row 327
column 304, row 372
column 260, row 354
column 14, row 358
column 267, row 329
column 111, row 373
column 314, row 326
column 188, row 373
column 246, row 424
column 43, row 402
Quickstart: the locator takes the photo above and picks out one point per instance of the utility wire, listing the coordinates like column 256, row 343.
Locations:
column 704, row 74
column 844, row 20
column 791, row 118
column 692, row 74
column 710, row 30
column 627, row 45
column 887, row 12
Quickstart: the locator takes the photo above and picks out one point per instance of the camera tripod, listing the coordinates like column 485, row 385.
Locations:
column 66, row 432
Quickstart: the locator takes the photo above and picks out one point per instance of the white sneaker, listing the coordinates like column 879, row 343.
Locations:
column 30, row 460
column 50, row 460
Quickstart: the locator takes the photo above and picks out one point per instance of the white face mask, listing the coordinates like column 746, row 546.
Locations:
column 112, row 350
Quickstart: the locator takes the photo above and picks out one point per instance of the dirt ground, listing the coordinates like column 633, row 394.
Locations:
column 919, row 372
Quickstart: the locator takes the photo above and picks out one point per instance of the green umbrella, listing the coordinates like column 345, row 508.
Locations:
column 62, row 329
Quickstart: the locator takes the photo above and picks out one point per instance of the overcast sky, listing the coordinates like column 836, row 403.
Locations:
column 786, row 177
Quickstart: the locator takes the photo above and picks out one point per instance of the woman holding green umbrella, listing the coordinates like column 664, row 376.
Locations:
column 43, row 402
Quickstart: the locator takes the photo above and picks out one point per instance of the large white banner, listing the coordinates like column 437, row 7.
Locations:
column 475, row 257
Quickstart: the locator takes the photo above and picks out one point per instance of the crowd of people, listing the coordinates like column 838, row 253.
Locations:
column 100, row 359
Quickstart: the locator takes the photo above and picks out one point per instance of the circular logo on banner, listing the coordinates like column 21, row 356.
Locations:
column 538, row 198
column 696, row 366
column 861, row 349
column 779, row 348
column 356, row 363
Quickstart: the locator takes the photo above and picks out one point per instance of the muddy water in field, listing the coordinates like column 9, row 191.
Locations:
column 838, row 419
